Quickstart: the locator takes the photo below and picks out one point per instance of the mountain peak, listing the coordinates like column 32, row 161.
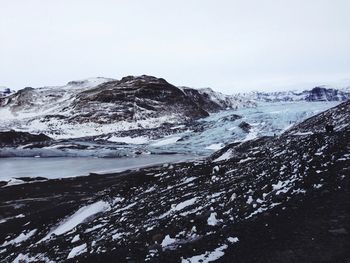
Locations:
column 142, row 78
column 134, row 102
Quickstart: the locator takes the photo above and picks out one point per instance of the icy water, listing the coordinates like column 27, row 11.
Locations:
column 69, row 167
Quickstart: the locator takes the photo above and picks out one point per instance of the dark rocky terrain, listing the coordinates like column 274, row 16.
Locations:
column 135, row 98
column 273, row 199
column 16, row 138
column 245, row 126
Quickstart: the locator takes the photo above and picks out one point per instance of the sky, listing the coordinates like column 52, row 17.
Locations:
column 228, row 45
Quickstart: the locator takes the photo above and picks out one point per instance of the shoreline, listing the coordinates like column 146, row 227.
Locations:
column 69, row 167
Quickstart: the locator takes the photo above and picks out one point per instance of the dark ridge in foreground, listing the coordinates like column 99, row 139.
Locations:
column 274, row 199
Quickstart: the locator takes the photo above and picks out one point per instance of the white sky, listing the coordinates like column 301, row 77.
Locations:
column 229, row 45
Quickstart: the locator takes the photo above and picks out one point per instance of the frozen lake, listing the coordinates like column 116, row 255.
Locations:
column 70, row 167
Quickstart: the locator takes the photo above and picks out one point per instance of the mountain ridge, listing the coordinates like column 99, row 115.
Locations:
column 318, row 93
column 103, row 105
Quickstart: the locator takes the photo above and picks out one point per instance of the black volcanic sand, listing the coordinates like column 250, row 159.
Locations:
column 314, row 229
column 310, row 227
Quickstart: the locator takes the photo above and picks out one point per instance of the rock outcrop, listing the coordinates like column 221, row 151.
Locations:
column 326, row 94
column 16, row 138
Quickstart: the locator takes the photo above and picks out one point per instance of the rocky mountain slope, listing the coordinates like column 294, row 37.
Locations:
column 213, row 101
column 13, row 138
column 134, row 99
column 99, row 106
column 273, row 199
column 316, row 94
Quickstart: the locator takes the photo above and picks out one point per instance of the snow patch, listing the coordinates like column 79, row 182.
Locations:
column 129, row 140
column 168, row 241
column 75, row 238
column 184, row 204
column 22, row 237
column 179, row 206
column 212, row 221
column 225, row 156
column 167, row 141
column 79, row 217
column 302, row 133
column 14, row 181
column 215, row 146
column 233, row 239
column 207, row 256
column 76, row 251
column 117, row 236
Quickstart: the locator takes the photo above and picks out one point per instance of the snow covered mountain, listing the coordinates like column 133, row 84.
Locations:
column 102, row 117
column 213, row 101
column 316, row 94
column 99, row 106
column 271, row 199
column 4, row 92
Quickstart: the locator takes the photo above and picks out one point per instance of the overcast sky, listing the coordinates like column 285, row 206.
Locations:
column 229, row 45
